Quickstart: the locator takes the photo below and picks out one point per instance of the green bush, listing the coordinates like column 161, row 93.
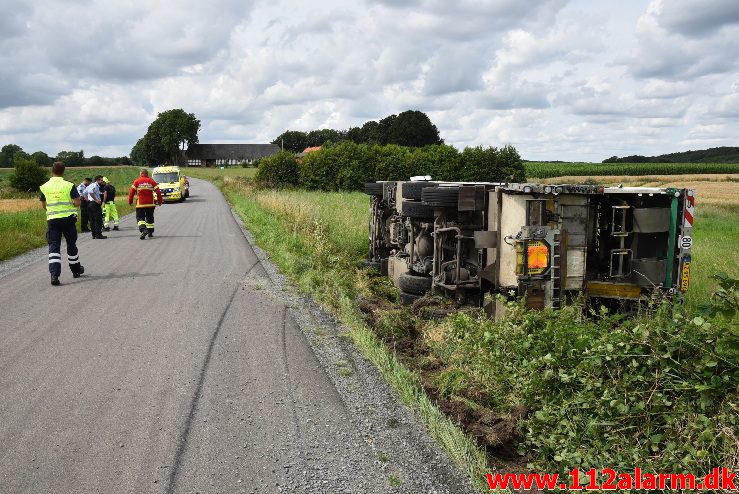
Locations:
column 608, row 391
column 28, row 175
column 347, row 166
column 279, row 170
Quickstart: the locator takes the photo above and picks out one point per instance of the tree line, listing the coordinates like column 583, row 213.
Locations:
column 410, row 128
column 11, row 154
column 722, row 154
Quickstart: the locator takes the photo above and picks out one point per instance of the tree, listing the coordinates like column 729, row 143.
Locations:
column 96, row 161
column 412, row 128
column 8, row 154
column 166, row 138
column 322, row 136
column 42, row 158
column 28, row 175
column 371, row 133
column 292, row 140
column 72, row 158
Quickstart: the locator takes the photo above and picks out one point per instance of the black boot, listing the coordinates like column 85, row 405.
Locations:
column 79, row 273
column 143, row 235
column 55, row 280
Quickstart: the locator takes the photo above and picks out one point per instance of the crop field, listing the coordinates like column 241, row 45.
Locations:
column 538, row 170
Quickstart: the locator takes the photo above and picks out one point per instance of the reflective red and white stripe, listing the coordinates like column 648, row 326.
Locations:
column 689, row 209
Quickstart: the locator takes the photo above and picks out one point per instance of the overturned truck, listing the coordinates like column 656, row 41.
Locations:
column 552, row 244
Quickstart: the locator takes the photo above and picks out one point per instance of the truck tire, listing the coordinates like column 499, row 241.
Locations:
column 414, row 283
column 441, row 197
column 373, row 188
column 372, row 264
column 415, row 209
column 408, row 298
column 412, row 190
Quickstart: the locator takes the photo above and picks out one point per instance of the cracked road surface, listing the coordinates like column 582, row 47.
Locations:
column 175, row 364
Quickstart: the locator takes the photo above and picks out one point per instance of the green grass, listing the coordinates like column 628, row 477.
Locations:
column 25, row 230
column 715, row 250
column 216, row 174
column 21, row 232
column 536, row 169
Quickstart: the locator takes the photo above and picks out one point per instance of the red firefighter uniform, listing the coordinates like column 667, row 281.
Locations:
column 145, row 189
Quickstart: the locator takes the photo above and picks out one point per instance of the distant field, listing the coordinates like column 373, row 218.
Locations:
column 720, row 190
column 215, row 173
column 537, row 170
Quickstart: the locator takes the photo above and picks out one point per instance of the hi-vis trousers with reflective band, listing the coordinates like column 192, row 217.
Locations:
column 110, row 212
column 145, row 219
column 57, row 228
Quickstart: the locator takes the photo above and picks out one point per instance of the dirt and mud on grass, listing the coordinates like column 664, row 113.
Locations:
column 411, row 332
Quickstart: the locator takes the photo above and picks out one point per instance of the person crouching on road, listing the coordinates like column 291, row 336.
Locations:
column 145, row 188
column 84, row 207
column 95, row 197
column 110, row 212
column 61, row 199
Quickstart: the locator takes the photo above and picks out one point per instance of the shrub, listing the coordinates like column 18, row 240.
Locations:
column 658, row 392
column 279, row 170
column 28, row 175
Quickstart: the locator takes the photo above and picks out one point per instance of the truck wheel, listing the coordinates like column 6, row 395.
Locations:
column 407, row 298
column 414, row 209
column 373, row 189
column 412, row 190
column 372, row 264
column 441, row 197
column 414, row 284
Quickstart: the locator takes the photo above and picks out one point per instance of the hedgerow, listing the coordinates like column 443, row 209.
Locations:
column 346, row 166
column 279, row 170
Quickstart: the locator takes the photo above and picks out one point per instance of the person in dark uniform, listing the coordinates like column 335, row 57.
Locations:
column 84, row 207
column 95, row 197
column 61, row 199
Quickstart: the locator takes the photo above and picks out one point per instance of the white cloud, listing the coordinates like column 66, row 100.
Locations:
column 558, row 79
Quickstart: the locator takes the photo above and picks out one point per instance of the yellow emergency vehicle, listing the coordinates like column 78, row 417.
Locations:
column 172, row 183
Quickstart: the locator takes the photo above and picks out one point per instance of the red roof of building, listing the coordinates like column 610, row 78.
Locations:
column 314, row 148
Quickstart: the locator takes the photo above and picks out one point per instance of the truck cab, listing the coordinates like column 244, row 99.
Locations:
column 172, row 183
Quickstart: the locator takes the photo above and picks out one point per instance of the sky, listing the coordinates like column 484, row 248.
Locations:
column 572, row 80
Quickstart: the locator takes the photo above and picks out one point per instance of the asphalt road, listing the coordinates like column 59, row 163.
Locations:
column 175, row 365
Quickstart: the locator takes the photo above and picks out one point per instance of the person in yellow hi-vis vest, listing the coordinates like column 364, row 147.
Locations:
column 110, row 212
column 61, row 199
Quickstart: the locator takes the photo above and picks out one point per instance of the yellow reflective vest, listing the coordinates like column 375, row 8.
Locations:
column 58, row 195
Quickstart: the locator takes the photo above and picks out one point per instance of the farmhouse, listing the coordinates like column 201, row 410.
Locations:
column 227, row 154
